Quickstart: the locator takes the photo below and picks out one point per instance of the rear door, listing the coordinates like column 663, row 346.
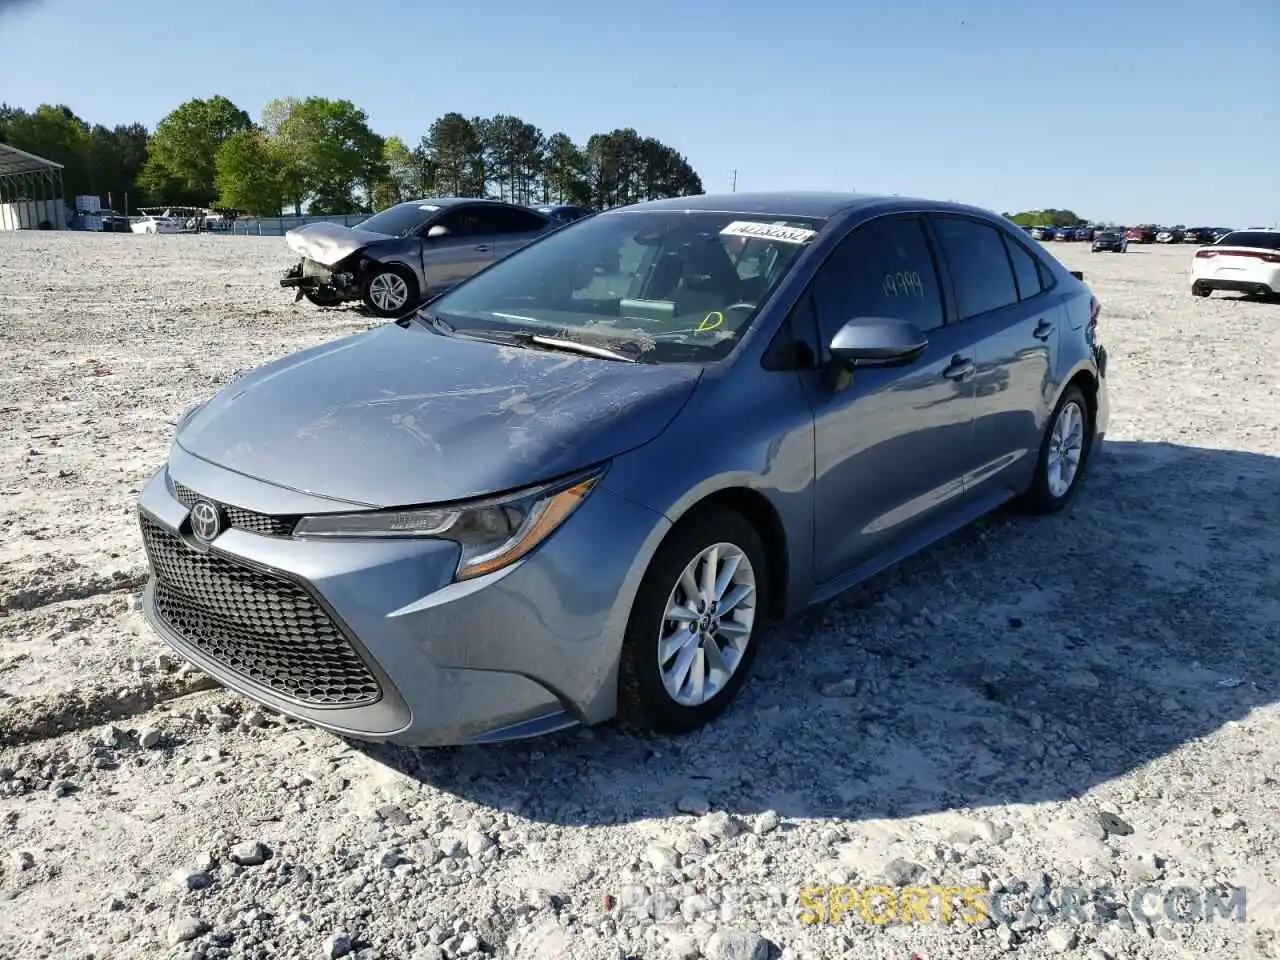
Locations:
column 892, row 446
column 1007, row 296
column 513, row 227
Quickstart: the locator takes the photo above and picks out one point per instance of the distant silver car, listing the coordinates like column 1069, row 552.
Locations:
column 408, row 253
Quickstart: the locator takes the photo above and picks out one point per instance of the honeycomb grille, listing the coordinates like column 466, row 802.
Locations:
column 241, row 518
column 260, row 626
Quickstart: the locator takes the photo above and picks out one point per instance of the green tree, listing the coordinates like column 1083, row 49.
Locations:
column 180, row 167
column 622, row 167
column 329, row 156
column 287, row 148
column 565, row 172
column 455, row 153
column 116, row 160
column 8, row 114
column 514, row 155
column 57, row 134
column 248, row 175
column 403, row 177
column 1047, row 218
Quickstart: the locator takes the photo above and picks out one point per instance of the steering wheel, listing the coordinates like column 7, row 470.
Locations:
column 741, row 306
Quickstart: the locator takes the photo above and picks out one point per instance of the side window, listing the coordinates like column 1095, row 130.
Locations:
column 882, row 269
column 978, row 265
column 462, row 222
column 1046, row 275
column 508, row 220
column 1024, row 269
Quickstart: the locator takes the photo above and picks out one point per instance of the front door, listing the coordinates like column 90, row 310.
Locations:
column 1004, row 294
column 893, row 445
column 468, row 248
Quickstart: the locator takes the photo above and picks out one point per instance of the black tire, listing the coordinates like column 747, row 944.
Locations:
column 1199, row 290
column 378, row 270
column 322, row 298
column 1039, row 498
column 643, row 700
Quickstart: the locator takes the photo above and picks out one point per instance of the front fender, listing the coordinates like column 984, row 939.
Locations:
column 752, row 432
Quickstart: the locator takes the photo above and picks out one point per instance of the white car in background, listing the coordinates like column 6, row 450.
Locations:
column 1245, row 261
column 150, row 223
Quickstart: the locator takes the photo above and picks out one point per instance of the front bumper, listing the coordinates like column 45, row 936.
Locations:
column 372, row 639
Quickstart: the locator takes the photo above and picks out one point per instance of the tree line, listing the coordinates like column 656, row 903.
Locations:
column 1046, row 218
column 321, row 155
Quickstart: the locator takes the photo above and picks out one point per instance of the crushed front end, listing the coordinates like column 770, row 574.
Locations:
column 321, row 282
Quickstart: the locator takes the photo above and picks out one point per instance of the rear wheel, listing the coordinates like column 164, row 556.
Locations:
column 389, row 291
column 1063, row 452
column 696, row 623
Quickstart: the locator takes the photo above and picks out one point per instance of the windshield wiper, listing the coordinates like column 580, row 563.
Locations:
column 573, row 346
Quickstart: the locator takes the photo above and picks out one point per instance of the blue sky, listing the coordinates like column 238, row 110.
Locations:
column 1128, row 110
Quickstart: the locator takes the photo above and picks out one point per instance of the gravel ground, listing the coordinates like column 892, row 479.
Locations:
column 1082, row 701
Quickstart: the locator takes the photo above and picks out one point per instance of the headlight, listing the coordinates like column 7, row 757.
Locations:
column 492, row 533
column 188, row 413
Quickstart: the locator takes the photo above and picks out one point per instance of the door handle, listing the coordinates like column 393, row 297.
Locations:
column 962, row 368
column 1043, row 330
column 482, row 246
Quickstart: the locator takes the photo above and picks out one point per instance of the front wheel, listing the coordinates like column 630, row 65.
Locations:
column 322, row 298
column 1062, row 454
column 695, row 626
column 389, row 291
column 1200, row 290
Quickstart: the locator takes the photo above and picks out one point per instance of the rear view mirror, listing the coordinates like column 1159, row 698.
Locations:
column 437, row 231
column 877, row 342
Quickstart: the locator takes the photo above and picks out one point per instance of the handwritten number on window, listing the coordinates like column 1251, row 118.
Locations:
column 904, row 283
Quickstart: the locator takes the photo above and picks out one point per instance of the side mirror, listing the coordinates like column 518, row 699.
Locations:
column 437, row 231
column 877, row 342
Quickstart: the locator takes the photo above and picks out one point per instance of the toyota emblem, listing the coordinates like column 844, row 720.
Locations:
column 206, row 521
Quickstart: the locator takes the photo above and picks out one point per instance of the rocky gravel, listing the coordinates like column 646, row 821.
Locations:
column 1039, row 717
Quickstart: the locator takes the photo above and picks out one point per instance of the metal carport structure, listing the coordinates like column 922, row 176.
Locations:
column 30, row 191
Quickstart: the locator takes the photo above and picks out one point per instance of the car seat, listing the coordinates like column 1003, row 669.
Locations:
column 709, row 281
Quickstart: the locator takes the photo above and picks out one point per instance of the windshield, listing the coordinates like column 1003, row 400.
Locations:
column 1252, row 238
column 400, row 220
column 663, row 286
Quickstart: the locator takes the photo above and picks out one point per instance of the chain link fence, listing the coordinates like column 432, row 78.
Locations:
column 279, row 226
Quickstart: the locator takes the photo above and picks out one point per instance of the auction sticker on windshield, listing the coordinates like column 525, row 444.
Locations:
column 768, row 231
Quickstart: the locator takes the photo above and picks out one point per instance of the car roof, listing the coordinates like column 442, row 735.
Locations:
column 453, row 201
column 801, row 203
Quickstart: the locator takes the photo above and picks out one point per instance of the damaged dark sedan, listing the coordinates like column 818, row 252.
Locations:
column 406, row 254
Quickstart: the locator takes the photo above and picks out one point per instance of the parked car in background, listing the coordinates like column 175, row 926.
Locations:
column 1112, row 241
column 503, row 515
column 1084, row 233
column 114, row 222
column 1168, row 235
column 407, row 253
column 156, row 223
column 1246, row 261
column 564, row 212
column 1042, row 233
column 1146, row 233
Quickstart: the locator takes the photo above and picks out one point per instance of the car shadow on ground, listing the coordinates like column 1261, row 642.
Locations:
column 1024, row 660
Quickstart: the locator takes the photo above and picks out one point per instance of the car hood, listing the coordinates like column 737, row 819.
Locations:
column 400, row 416
column 328, row 243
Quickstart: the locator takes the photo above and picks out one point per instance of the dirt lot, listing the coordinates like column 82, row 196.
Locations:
column 1088, row 699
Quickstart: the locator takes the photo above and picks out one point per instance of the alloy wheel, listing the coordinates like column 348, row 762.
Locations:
column 388, row 291
column 1066, row 447
column 707, row 625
